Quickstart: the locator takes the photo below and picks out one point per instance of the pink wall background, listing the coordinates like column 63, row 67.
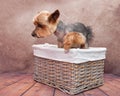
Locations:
column 16, row 27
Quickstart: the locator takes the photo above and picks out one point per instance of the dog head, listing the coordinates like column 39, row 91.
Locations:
column 45, row 23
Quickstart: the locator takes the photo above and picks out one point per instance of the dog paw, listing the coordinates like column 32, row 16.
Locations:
column 66, row 51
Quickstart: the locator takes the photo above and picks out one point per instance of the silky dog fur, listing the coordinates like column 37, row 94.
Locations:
column 75, row 35
column 45, row 23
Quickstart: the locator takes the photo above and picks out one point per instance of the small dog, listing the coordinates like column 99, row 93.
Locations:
column 74, row 40
column 68, row 36
column 75, row 35
column 45, row 23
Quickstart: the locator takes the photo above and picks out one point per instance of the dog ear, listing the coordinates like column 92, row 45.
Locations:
column 54, row 16
column 35, row 20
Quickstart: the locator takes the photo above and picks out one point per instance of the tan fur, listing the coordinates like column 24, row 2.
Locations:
column 45, row 19
column 74, row 40
column 41, row 17
column 46, row 24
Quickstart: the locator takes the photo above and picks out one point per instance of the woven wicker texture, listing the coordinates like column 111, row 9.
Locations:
column 68, row 77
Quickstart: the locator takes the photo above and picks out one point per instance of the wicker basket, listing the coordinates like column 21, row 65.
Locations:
column 69, row 77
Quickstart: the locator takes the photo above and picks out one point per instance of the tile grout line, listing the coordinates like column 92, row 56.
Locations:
column 12, row 83
column 22, row 94
column 103, row 92
column 54, row 91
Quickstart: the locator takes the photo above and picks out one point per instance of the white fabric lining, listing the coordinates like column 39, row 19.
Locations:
column 77, row 56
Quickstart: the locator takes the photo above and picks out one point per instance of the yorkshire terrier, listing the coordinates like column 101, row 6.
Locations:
column 68, row 36
column 75, row 35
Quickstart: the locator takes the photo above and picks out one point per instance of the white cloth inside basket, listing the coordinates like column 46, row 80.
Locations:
column 77, row 56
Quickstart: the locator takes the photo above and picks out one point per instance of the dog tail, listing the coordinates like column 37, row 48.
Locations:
column 89, row 34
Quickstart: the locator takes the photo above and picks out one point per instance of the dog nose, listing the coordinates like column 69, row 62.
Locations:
column 33, row 34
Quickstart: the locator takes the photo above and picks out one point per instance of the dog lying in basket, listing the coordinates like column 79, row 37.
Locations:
column 68, row 36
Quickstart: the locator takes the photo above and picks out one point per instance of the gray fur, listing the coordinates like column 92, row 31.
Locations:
column 63, row 29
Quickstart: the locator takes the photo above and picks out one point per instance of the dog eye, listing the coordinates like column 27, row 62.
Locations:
column 40, row 25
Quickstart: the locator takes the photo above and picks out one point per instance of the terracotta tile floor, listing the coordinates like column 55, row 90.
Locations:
column 24, row 85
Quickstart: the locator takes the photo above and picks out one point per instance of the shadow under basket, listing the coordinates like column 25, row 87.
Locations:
column 69, row 77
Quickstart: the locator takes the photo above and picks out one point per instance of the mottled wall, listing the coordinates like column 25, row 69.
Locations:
column 16, row 27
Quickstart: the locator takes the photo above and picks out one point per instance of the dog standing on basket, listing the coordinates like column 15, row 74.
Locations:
column 75, row 35
column 68, row 36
